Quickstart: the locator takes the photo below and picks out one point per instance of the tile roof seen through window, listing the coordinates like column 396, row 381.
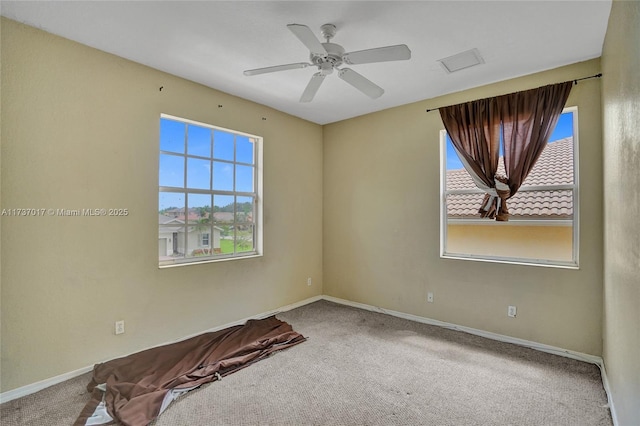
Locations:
column 554, row 167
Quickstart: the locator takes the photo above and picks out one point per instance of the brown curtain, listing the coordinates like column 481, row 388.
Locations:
column 526, row 119
column 135, row 389
column 474, row 129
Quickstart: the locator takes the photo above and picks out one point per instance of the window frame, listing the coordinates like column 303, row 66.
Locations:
column 574, row 222
column 257, row 195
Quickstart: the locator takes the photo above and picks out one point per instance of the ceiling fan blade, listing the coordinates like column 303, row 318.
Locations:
column 381, row 54
column 312, row 87
column 276, row 68
column 361, row 83
column 306, row 36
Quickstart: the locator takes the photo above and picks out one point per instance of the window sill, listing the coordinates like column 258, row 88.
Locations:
column 511, row 222
column 511, row 261
column 207, row 260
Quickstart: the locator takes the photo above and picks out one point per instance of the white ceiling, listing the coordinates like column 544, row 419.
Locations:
column 213, row 42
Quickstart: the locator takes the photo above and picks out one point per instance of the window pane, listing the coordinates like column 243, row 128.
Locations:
column 171, row 231
column 199, row 141
column 171, row 242
column 199, row 220
column 516, row 240
column 199, row 208
column 453, row 161
column 172, row 135
column 244, row 149
column 171, row 171
column 222, row 176
column 555, row 165
column 464, row 206
column 468, row 234
column 223, row 209
column 223, row 221
column 541, row 205
column 244, row 238
column 170, row 203
column 564, row 127
column 244, row 209
column 244, row 178
column 222, row 145
column 198, row 173
column 525, row 205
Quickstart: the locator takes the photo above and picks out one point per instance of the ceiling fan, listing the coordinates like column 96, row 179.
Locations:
column 329, row 56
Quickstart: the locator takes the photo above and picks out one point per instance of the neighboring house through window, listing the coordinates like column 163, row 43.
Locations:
column 543, row 215
column 210, row 199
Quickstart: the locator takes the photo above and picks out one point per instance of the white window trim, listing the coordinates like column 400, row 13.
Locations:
column 573, row 264
column 258, row 205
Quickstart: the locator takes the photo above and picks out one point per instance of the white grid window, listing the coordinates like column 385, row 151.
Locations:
column 210, row 193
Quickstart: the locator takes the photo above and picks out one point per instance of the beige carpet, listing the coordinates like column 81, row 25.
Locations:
column 364, row 368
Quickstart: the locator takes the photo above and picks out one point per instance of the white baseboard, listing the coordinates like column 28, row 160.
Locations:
column 607, row 389
column 43, row 384
column 592, row 359
column 489, row 335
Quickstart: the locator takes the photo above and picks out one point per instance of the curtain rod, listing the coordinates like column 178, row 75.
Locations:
column 574, row 82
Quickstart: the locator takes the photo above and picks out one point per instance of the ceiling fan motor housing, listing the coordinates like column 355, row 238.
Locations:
column 333, row 58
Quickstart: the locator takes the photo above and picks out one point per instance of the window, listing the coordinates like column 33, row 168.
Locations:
column 543, row 222
column 210, row 198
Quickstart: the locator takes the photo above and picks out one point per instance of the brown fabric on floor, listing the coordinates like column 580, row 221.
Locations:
column 136, row 385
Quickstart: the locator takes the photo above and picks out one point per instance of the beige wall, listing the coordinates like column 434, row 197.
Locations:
column 80, row 130
column 381, row 226
column 621, row 124
column 510, row 240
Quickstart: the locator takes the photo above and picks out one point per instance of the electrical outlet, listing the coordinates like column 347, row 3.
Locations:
column 430, row 297
column 511, row 311
column 309, row 281
column 119, row 327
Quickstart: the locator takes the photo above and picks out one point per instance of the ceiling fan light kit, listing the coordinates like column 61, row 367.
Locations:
column 330, row 56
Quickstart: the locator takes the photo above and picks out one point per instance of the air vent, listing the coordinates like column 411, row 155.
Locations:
column 462, row 60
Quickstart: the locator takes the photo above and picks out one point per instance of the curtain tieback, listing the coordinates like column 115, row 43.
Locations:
column 494, row 204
